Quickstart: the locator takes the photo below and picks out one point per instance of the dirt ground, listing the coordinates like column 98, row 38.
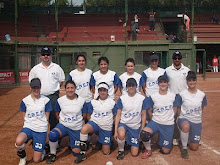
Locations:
column 11, row 123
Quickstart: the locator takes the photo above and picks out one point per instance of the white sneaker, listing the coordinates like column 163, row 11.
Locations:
column 23, row 161
column 175, row 142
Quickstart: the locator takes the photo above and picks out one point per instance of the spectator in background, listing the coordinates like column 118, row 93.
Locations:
column 136, row 19
column 152, row 20
column 215, row 64
column 133, row 30
column 186, row 21
column 218, row 61
column 197, row 64
column 215, row 18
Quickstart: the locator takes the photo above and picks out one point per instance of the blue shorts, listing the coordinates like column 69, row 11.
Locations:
column 133, row 135
column 39, row 138
column 74, row 135
column 104, row 136
column 195, row 130
column 166, row 133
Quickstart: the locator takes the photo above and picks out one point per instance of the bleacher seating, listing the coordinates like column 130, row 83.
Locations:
column 77, row 28
column 205, row 29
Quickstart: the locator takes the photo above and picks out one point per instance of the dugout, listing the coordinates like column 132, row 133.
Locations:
column 18, row 57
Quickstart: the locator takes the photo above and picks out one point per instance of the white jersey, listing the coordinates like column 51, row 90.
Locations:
column 185, row 17
column 150, row 77
column 71, row 112
column 123, row 79
column 131, row 108
column 162, row 106
column 35, row 117
column 136, row 18
column 110, row 78
column 50, row 77
column 177, row 78
column 191, row 105
column 102, row 112
column 82, row 79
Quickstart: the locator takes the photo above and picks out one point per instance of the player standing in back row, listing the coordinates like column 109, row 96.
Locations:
column 150, row 75
column 177, row 73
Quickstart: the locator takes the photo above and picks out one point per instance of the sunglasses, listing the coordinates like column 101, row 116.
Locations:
column 45, row 54
column 175, row 58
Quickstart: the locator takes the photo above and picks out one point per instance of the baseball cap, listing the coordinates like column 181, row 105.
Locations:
column 103, row 85
column 162, row 78
column 131, row 81
column 154, row 57
column 45, row 50
column 177, row 53
column 35, row 82
column 191, row 75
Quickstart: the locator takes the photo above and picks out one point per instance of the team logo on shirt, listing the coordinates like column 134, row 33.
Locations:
column 131, row 115
column 166, row 108
column 80, row 86
column 101, row 114
column 53, row 73
column 35, row 114
column 194, row 110
column 70, row 119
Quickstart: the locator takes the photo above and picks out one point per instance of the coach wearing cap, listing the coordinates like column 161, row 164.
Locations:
column 52, row 77
column 177, row 73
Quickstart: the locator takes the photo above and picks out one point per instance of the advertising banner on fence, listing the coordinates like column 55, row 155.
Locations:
column 7, row 77
column 23, row 76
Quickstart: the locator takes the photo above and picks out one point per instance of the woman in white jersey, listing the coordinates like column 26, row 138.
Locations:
column 130, row 73
column 104, row 75
column 129, row 119
column 36, row 109
column 101, row 112
column 150, row 75
column 81, row 77
column 190, row 103
column 70, row 110
column 161, row 107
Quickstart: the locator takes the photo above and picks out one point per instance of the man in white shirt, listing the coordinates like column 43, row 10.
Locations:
column 177, row 73
column 52, row 77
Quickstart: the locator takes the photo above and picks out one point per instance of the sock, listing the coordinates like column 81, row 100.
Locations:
column 20, row 148
column 147, row 145
column 121, row 144
column 184, row 139
column 53, row 147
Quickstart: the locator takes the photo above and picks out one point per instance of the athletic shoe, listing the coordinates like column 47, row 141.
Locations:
column 121, row 155
column 51, row 158
column 80, row 158
column 23, row 161
column 146, row 154
column 175, row 142
column 184, row 154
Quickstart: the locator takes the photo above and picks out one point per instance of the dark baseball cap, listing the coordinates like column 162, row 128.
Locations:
column 162, row 78
column 154, row 57
column 177, row 53
column 131, row 81
column 45, row 50
column 35, row 82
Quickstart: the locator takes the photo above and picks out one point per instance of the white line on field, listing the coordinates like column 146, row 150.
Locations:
column 210, row 148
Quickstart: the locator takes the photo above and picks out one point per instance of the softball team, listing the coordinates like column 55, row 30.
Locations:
column 156, row 94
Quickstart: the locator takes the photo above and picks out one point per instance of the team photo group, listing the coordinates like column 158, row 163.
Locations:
column 162, row 102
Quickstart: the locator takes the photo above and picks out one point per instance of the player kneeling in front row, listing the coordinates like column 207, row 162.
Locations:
column 190, row 103
column 71, row 111
column 36, row 108
column 102, row 111
column 128, row 119
column 161, row 107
